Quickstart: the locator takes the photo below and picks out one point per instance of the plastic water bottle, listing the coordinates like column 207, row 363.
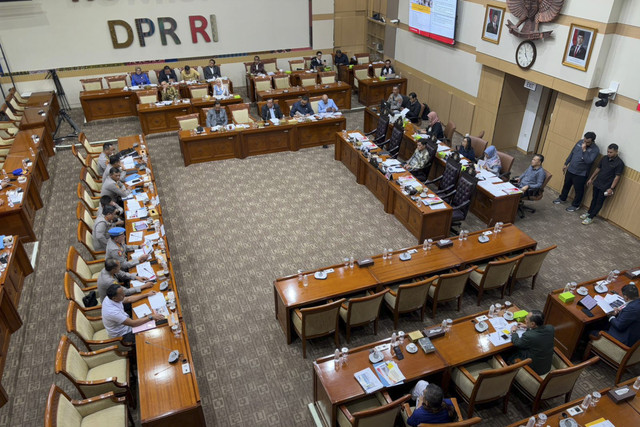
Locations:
column 636, row 384
column 425, row 245
column 586, row 402
column 384, row 253
column 531, row 422
column 31, row 152
column 351, row 261
column 393, row 339
column 492, row 310
column 299, row 276
column 4, row 174
column 336, row 358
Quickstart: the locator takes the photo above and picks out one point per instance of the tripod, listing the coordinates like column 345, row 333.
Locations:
column 64, row 103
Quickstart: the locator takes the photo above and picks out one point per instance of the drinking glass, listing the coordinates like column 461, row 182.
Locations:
column 401, row 337
column 390, row 253
column 346, row 262
column 351, row 262
column 595, row 398
column 542, row 420
column 449, row 325
column 299, row 276
column 305, row 281
column 636, row 384
column 345, row 352
column 573, row 286
column 498, row 309
column 507, row 305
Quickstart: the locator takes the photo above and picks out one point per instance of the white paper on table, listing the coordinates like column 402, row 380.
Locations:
column 157, row 301
column 144, row 327
column 15, row 197
column 615, row 300
column 137, row 254
column 391, row 162
column 132, row 205
column 635, row 273
column 464, row 162
column 128, row 163
column 142, row 197
column 154, row 236
column 145, row 270
column 497, row 339
column 142, row 310
column 368, row 380
column 604, row 305
column 135, row 236
column 357, row 136
column 481, row 163
column 494, row 179
column 136, row 283
column 498, row 323
column 442, row 147
column 438, row 206
column 162, row 232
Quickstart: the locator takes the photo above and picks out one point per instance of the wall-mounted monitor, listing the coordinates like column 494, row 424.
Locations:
column 435, row 19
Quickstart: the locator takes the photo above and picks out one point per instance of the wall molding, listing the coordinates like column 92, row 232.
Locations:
column 322, row 17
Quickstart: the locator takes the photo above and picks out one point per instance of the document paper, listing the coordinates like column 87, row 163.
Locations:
column 368, row 380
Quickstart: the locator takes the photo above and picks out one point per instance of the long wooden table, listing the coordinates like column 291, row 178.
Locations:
column 108, row 103
column 569, row 321
column 259, row 139
column 281, row 95
column 423, row 222
column 162, row 118
column 289, row 294
column 340, row 92
column 199, row 104
column 373, row 91
column 167, row 396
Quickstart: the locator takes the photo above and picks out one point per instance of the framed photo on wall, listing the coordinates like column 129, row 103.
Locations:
column 493, row 20
column 577, row 52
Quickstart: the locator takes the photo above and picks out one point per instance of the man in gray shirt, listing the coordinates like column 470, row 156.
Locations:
column 107, row 150
column 101, row 226
column 216, row 116
column 113, row 187
column 111, row 274
column 117, row 249
column 532, row 179
column 576, row 169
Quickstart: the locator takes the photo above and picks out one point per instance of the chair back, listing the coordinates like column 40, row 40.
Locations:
column 449, row 130
column 261, row 104
column 377, row 69
column 78, row 323
column 478, row 145
column 296, row 64
column 384, row 415
column 308, row 79
column 91, row 84
column 561, row 381
column 116, row 82
column 506, row 160
column 198, row 90
column 364, row 309
column 281, row 81
column 86, row 239
column 413, row 296
column 362, row 58
column 81, row 157
column 495, row 383
column 529, row 265
column 497, row 272
column 540, row 193
column 93, row 186
column 314, row 101
column 70, row 363
column 14, row 106
column 450, row 175
column 465, row 190
column 78, row 266
column 262, row 83
column 189, row 121
column 59, row 411
column 360, row 72
column 327, row 77
column 73, row 292
column 85, row 197
column 240, row 113
column 247, row 66
column 451, row 285
column 397, row 134
column 147, row 96
column 320, row 320
column 270, row 65
column 307, row 61
column 83, row 214
column 91, row 150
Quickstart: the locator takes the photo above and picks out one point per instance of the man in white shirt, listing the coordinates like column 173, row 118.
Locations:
column 115, row 319
column 326, row 105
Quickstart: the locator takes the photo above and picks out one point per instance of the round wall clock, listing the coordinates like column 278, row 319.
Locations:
column 526, row 54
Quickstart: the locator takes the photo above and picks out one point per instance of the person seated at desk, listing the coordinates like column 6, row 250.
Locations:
column 326, row 105
column 167, row 75
column 434, row 127
column 418, row 161
column 112, row 275
column 108, row 201
column 395, row 99
column 536, row 343
column 116, row 321
column 624, row 324
column 117, row 249
column 466, row 149
column 414, row 108
column 189, row 74
column 169, row 93
column 530, row 182
column 340, row 58
column 271, row 111
column 257, row 67
column 387, row 69
column 114, row 162
column 219, row 89
column 316, row 63
column 107, row 150
column 431, row 406
column 103, row 223
column 211, row 71
column 302, row 108
column 139, row 78
column 492, row 161
column 113, row 187
column 217, row 116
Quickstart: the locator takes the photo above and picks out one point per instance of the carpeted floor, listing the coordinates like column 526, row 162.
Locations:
column 235, row 226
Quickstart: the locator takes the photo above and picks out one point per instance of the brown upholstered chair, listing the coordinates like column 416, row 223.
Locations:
column 240, row 113
column 189, row 121
column 614, row 353
column 559, row 381
column 449, row 130
column 270, row 65
column 448, row 287
column 263, row 83
column 86, row 239
column 486, row 381
column 407, row 411
column 86, row 271
column 376, row 69
column 362, row 58
column 327, row 77
column 316, row 322
column 90, row 149
column 106, row 409
column 86, row 161
column 493, row 275
column 92, row 84
column 296, row 64
column 449, row 178
column 374, row 410
column 479, row 145
column 147, row 96
column 537, row 196
column 362, row 311
column 308, row 79
column 408, row 298
column 506, row 160
column 87, row 179
column 74, row 292
column 198, row 90
column 460, row 199
column 90, row 330
column 116, row 82
column 281, row 81
column 90, row 202
column 261, row 104
column 307, row 61
column 360, row 72
column 529, row 266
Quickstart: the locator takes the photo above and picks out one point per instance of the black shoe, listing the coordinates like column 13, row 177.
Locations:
column 325, row 146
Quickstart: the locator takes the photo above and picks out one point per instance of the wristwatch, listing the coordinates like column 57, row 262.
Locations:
column 150, row 317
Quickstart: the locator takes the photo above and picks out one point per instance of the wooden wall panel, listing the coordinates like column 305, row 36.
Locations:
column 349, row 32
column 483, row 120
column 440, row 102
column 512, row 106
column 461, row 114
column 350, row 5
column 490, row 89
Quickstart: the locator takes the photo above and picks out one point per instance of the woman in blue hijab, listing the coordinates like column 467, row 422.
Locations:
column 492, row 160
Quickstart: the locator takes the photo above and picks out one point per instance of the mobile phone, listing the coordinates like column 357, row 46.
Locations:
column 153, row 262
column 162, row 322
column 398, row 352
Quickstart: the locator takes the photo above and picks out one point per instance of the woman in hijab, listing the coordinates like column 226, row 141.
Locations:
column 466, row 149
column 492, row 160
column 219, row 89
column 435, row 127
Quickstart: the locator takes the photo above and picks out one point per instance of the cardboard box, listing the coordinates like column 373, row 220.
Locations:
column 566, row 297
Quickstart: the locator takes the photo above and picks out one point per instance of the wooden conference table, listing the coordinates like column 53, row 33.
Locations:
column 258, row 139
column 167, row 396
column 340, row 92
column 333, row 386
column 289, row 294
column 48, row 103
column 19, row 218
column 569, row 321
column 373, row 91
column 423, row 222
column 488, row 207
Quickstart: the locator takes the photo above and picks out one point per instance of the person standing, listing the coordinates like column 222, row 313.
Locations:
column 576, row 168
column 604, row 180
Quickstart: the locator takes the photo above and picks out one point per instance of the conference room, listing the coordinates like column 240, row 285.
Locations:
column 312, row 269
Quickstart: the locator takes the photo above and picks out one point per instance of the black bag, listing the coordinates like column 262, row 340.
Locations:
column 425, row 112
column 90, row 300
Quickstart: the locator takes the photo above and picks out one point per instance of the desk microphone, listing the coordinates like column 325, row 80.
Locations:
column 174, row 355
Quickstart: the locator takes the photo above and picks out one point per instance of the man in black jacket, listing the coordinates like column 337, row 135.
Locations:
column 536, row 342
column 270, row 111
column 211, row 71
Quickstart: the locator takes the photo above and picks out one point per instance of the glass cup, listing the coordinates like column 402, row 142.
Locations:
column 542, row 420
column 573, row 286
column 305, row 281
column 498, row 309
column 345, row 352
column 449, row 325
column 346, row 262
column 636, row 384
column 390, row 251
column 595, row 398
column 299, row 276
column 507, row 305
column 401, row 337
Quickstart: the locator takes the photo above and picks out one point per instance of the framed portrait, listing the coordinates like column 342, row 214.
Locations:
column 493, row 21
column 580, row 42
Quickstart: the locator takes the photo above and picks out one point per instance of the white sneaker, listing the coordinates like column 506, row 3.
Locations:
column 584, row 216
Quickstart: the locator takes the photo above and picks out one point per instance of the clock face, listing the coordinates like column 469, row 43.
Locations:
column 526, row 54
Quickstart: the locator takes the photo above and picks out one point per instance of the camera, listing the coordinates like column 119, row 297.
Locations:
column 605, row 95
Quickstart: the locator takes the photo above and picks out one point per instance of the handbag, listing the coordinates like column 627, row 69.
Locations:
column 90, row 300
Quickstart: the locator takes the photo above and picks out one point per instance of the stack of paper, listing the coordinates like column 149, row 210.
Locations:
column 142, row 310
column 368, row 380
column 389, row 373
column 145, row 270
column 135, row 236
column 15, row 197
column 159, row 304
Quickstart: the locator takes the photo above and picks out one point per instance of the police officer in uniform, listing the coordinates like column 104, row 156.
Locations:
column 117, row 249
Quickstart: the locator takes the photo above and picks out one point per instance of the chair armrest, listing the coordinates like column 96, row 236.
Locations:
column 445, row 190
column 89, row 289
column 386, row 396
column 562, row 357
column 392, row 292
column 500, row 360
column 117, row 387
column 532, row 373
column 298, row 313
column 345, row 306
column 434, row 180
column 407, row 409
column 371, row 133
column 347, row 414
column 102, row 356
column 467, row 374
column 448, row 196
column 604, row 334
column 461, row 205
column 505, row 176
column 454, row 402
column 383, row 143
column 94, row 404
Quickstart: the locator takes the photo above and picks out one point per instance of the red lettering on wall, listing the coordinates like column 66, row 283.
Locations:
column 198, row 25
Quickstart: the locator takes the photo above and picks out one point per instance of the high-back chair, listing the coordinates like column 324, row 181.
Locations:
column 14, row 106
column 460, row 199
column 261, row 104
column 380, row 132
column 534, row 196
column 90, row 202
column 408, row 298
column 90, row 330
column 362, row 311
column 375, row 410
column 11, row 115
column 84, row 215
column 493, row 275
column 86, row 271
column 449, row 130
column 362, row 58
column 270, row 65
column 393, row 143
column 448, row 287
column 94, row 373
column 360, row 72
column 486, row 381
column 529, row 266
column 327, row 77
column 86, row 239
column 407, row 411
column 479, row 145
column 307, row 61
column 296, row 64
column 262, row 83
column 559, row 381
column 198, row 90
column 116, row 82
column 87, row 162
column 86, row 178
column 92, row 84
column 147, row 96
column 314, row 101
column 316, row 322
column 449, row 178
column 61, row 411
column 90, row 149
column 189, row 121
column 614, row 353
column 73, row 292
column 506, row 160
column 281, row 81
column 240, row 113
column 308, row 79
column 377, row 69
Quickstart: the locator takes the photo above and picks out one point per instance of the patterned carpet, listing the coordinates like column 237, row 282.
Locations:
column 236, row 225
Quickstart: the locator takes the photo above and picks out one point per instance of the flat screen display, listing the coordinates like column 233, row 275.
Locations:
column 435, row 19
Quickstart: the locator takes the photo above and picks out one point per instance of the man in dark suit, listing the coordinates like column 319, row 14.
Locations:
column 536, row 342
column 578, row 50
column 167, row 75
column 624, row 324
column 340, row 58
column 492, row 26
column 257, row 67
column 212, row 71
column 387, row 69
column 271, row 110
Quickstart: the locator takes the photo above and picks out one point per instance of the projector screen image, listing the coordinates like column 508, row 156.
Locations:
column 435, row 19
